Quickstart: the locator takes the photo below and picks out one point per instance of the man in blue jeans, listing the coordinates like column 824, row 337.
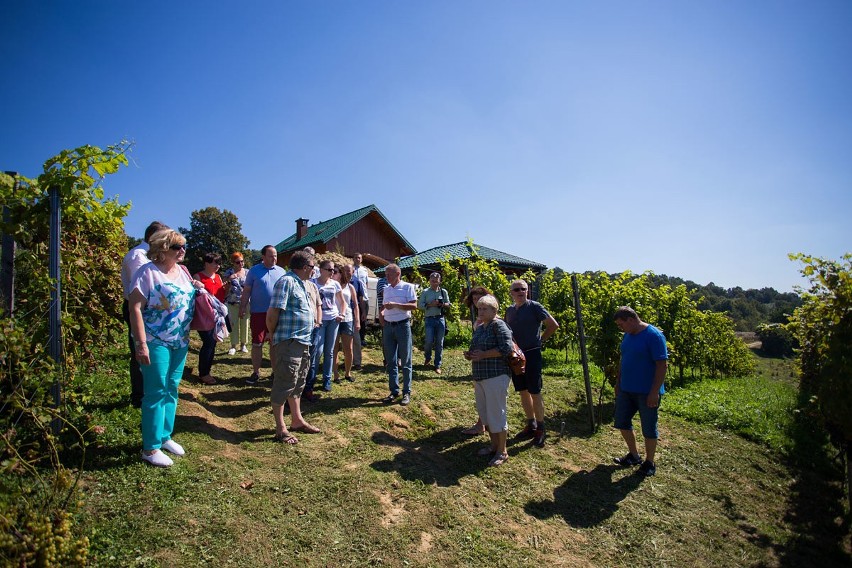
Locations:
column 398, row 301
column 434, row 300
column 639, row 386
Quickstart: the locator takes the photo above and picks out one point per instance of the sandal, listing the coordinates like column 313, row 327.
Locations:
column 286, row 438
column 306, row 429
column 473, row 431
column 498, row 459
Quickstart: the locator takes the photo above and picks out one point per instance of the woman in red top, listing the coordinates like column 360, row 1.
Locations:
column 213, row 284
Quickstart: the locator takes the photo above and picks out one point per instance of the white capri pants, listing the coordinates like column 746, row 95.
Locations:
column 491, row 396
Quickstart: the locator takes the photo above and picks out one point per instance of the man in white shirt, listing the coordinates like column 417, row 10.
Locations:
column 399, row 300
column 133, row 260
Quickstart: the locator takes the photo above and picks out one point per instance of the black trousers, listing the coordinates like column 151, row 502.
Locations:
column 135, row 372
column 206, row 353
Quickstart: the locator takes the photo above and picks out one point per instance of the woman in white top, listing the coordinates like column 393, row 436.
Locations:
column 333, row 308
column 161, row 303
column 350, row 325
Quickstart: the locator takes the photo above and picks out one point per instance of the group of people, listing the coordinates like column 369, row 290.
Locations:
column 306, row 311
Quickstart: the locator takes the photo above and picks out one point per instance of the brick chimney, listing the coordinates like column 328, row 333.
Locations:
column 301, row 228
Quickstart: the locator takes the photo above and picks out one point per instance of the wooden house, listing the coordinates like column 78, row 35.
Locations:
column 364, row 230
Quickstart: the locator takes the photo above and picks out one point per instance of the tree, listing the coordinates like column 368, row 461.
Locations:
column 776, row 339
column 93, row 243
column 212, row 230
column 36, row 485
column 823, row 325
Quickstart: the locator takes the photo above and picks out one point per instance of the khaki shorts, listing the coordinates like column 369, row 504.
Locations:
column 292, row 361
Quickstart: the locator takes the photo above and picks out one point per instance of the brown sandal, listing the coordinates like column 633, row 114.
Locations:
column 473, row 431
column 287, row 438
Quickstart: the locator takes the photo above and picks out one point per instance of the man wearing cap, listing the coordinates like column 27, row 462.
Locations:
column 434, row 300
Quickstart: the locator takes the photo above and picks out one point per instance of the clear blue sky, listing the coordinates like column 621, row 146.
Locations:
column 700, row 139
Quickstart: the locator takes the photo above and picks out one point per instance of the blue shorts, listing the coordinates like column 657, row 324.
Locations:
column 346, row 328
column 626, row 405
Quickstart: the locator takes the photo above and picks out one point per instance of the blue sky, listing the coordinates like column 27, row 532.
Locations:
column 701, row 139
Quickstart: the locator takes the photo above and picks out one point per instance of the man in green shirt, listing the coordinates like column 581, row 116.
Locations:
column 434, row 300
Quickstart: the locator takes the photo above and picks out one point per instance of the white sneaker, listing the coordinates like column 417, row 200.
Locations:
column 158, row 459
column 173, row 447
column 232, row 351
column 244, row 349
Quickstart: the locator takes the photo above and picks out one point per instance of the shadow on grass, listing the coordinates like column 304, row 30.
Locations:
column 816, row 504
column 199, row 424
column 435, row 459
column 255, row 399
column 576, row 419
column 587, row 498
column 102, row 458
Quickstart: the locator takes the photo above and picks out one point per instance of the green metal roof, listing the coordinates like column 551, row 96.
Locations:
column 324, row 231
column 429, row 258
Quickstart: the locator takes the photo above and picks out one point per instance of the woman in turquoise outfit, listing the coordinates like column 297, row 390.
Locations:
column 161, row 306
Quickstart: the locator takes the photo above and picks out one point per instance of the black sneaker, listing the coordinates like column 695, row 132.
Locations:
column 628, row 459
column 647, row 468
column 538, row 437
column 356, row 367
column 527, row 433
column 390, row 398
column 252, row 380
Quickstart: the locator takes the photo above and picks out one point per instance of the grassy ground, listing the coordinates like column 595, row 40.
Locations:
column 401, row 486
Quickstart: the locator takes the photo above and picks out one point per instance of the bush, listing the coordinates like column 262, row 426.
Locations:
column 776, row 340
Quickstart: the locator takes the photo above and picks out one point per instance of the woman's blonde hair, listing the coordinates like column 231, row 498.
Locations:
column 489, row 301
column 161, row 241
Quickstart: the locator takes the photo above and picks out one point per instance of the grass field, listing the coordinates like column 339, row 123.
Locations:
column 401, row 486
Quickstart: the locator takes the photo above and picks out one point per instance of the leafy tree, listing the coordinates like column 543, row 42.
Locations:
column 93, row 242
column 35, row 524
column 212, row 230
column 133, row 242
column 776, row 339
column 823, row 325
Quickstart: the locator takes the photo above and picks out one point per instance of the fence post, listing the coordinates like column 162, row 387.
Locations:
column 581, row 333
column 55, row 301
column 7, row 263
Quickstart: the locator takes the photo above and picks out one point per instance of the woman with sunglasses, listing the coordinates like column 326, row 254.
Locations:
column 470, row 301
column 333, row 308
column 212, row 282
column 161, row 303
column 235, row 279
column 489, row 346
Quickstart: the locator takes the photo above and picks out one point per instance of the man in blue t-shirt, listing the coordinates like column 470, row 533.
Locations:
column 639, row 386
column 257, row 292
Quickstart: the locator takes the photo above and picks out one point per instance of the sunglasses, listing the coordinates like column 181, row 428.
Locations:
column 519, row 289
column 178, row 247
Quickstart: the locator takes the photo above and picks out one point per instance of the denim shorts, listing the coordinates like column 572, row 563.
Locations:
column 626, row 405
column 346, row 328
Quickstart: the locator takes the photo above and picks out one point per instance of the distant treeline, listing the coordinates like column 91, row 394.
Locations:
column 747, row 308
